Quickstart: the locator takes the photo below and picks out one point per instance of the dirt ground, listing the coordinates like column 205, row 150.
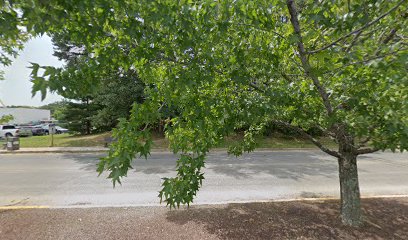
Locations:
column 384, row 219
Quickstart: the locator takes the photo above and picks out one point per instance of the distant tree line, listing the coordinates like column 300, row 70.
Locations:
column 93, row 101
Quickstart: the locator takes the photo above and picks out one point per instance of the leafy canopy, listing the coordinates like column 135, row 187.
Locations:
column 340, row 66
column 101, row 97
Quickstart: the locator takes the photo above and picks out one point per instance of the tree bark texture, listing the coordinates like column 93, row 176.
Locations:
column 349, row 190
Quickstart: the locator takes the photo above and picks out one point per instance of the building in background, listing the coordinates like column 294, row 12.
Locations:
column 26, row 115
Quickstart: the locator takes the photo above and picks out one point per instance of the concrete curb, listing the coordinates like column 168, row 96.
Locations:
column 42, row 151
column 36, row 152
column 104, row 150
column 317, row 199
column 59, row 151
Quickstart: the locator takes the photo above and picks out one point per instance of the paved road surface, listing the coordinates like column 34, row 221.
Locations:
column 70, row 180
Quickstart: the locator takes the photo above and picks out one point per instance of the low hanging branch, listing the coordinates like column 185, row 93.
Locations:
column 367, row 150
column 308, row 136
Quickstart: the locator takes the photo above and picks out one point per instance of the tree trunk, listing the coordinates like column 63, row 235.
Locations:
column 349, row 190
column 88, row 127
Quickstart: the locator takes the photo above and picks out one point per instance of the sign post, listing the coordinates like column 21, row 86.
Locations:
column 51, row 131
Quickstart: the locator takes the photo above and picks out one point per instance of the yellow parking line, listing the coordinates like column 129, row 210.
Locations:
column 21, row 207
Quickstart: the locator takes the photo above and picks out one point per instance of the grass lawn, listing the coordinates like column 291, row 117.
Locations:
column 97, row 140
column 277, row 142
column 64, row 140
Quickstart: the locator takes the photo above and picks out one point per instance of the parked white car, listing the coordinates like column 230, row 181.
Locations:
column 24, row 131
column 8, row 131
column 58, row 129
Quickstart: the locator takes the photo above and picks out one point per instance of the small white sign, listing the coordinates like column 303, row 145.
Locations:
column 51, row 128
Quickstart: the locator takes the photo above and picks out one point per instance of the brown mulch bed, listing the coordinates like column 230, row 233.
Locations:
column 384, row 219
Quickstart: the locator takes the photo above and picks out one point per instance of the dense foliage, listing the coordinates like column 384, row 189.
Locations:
column 106, row 96
column 339, row 66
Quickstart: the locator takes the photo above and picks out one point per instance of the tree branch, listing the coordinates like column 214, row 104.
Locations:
column 353, row 42
column 357, row 31
column 336, row 70
column 363, row 142
column 255, row 87
column 305, row 62
column 308, row 136
column 286, row 77
column 367, row 150
column 390, row 36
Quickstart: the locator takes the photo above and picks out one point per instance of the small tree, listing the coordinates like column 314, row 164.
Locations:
column 6, row 118
column 223, row 65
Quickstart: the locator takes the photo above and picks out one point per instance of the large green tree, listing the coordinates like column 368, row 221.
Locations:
column 340, row 66
column 99, row 95
column 116, row 97
column 77, row 116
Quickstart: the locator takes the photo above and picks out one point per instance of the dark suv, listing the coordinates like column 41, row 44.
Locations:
column 37, row 131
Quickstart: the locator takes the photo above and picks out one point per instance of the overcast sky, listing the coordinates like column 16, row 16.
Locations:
column 16, row 88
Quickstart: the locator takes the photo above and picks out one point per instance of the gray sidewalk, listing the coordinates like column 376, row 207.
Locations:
column 57, row 150
column 157, row 150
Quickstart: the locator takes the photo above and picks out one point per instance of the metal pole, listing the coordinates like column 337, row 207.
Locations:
column 52, row 139
column 51, row 130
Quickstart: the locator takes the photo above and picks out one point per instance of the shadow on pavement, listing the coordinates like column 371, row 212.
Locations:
column 153, row 165
column 284, row 165
column 88, row 161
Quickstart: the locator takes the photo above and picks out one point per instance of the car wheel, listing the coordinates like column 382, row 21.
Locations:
column 7, row 135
